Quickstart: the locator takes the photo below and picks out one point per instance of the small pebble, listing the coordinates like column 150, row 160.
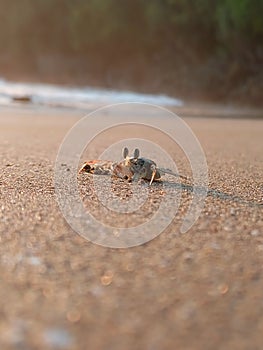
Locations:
column 58, row 338
column 107, row 278
column 73, row 316
column 254, row 232
column 223, row 288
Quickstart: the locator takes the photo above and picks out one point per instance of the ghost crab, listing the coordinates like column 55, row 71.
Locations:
column 131, row 168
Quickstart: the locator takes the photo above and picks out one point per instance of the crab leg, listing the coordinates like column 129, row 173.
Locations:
column 154, row 170
column 170, row 172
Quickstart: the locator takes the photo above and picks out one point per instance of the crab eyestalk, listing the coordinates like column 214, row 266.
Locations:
column 136, row 153
column 125, row 152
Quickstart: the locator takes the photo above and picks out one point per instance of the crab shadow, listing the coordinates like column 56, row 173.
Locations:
column 210, row 192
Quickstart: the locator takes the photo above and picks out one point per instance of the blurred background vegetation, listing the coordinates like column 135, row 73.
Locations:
column 196, row 49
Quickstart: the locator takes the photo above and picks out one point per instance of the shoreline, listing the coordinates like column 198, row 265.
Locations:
column 188, row 96
column 195, row 110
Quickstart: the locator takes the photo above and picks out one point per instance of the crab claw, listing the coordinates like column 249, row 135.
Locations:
column 91, row 166
column 85, row 167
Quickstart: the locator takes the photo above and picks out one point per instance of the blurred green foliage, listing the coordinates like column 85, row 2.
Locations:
column 82, row 25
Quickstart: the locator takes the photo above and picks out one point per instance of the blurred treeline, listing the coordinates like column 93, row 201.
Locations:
column 195, row 48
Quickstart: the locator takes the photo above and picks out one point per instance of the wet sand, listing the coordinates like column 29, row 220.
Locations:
column 198, row 290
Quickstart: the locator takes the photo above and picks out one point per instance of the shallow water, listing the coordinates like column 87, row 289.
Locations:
column 79, row 97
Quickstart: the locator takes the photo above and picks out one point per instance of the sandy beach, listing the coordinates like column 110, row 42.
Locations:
column 198, row 290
